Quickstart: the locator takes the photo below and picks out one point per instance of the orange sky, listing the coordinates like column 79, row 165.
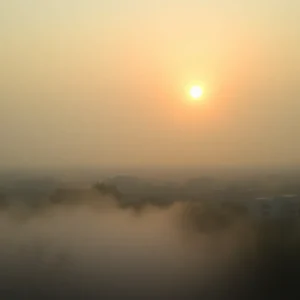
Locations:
column 104, row 83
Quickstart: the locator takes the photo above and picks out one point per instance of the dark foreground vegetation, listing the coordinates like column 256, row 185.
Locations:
column 96, row 243
column 247, row 259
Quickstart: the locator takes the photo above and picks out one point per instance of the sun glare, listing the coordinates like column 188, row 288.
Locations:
column 196, row 92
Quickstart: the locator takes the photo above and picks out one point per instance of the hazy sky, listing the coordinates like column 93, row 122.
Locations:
column 89, row 82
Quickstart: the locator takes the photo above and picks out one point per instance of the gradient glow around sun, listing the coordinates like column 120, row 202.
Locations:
column 196, row 92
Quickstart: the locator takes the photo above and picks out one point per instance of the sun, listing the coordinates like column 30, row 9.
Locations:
column 196, row 92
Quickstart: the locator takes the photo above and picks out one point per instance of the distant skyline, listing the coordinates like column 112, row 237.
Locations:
column 103, row 83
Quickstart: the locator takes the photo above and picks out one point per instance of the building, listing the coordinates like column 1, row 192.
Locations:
column 277, row 207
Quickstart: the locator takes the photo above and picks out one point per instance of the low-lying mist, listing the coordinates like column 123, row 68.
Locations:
column 98, row 249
